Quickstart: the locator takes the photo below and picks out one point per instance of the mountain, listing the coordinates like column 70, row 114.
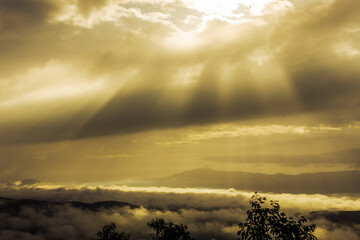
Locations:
column 9, row 205
column 346, row 218
column 320, row 182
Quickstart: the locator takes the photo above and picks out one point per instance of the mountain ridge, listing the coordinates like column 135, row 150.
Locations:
column 15, row 205
column 319, row 182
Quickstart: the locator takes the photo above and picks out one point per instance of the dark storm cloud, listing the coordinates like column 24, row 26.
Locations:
column 26, row 36
column 323, row 79
column 21, row 14
column 131, row 112
column 320, row 87
column 156, row 107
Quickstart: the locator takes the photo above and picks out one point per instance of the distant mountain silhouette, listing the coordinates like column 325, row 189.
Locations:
column 9, row 205
column 347, row 218
column 320, row 182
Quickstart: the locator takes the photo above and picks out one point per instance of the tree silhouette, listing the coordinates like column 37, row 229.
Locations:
column 109, row 232
column 168, row 230
column 265, row 223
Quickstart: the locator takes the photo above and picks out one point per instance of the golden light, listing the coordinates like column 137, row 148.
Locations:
column 222, row 8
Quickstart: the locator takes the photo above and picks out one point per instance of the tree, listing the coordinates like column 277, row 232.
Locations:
column 109, row 232
column 265, row 223
column 168, row 230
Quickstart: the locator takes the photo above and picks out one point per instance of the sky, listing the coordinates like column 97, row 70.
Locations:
column 105, row 90
column 177, row 106
column 109, row 90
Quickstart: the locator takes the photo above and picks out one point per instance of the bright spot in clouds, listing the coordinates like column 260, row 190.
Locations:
column 222, row 8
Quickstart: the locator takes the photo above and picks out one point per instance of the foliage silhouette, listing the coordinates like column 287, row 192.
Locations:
column 109, row 232
column 168, row 230
column 265, row 223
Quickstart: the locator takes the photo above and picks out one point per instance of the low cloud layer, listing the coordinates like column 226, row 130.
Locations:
column 208, row 215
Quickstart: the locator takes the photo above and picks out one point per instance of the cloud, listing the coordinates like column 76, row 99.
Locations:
column 173, row 199
column 348, row 157
column 71, row 223
column 208, row 215
column 320, row 81
column 22, row 14
column 231, row 84
column 87, row 7
column 164, row 76
column 227, row 81
column 320, row 182
column 330, row 230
